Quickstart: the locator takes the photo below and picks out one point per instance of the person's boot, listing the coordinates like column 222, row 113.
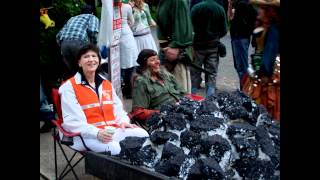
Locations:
column 47, row 116
column 46, row 127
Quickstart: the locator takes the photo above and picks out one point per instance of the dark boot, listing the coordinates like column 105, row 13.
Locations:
column 46, row 127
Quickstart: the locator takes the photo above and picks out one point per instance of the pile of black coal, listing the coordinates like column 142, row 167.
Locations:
column 161, row 137
column 130, row 147
column 226, row 136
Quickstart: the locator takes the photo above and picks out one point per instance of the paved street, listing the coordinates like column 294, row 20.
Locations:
column 226, row 80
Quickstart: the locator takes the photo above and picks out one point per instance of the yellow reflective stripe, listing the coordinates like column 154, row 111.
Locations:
column 90, row 106
column 107, row 102
column 111, row 122
column 99, row 123
column 104, row 123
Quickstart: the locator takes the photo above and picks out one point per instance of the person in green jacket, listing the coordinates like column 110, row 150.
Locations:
column 210, row 24
column 153, row 86
column 175, row 37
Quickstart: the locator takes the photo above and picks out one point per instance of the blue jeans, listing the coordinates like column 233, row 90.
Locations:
column 240, row 48
column 46, row 109
column 209, row 58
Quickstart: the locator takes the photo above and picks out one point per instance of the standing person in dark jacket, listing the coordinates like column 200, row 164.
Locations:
column 193, row 2
column 241, row 29
column 209, row 24
column 175, row 38
column 224, row 4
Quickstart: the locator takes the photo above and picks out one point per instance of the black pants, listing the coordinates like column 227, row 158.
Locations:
column 126, row 74
column 69, row 51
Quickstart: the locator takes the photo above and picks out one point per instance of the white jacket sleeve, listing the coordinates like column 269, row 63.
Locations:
column 74, row 119
column 118, row 110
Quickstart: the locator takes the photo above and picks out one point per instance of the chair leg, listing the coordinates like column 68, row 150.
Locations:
column 72, row 168
column 55, row 153
column 69, row 161
column 64, row 154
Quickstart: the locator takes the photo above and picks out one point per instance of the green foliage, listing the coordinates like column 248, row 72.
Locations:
column 50, row 58
column 153, row 11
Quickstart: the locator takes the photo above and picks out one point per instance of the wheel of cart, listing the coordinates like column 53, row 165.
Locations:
column 67, row 140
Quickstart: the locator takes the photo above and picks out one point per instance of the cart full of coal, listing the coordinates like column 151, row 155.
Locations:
column 226, row 136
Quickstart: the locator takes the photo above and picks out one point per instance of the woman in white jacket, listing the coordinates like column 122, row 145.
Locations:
column 89, row 104
column 128, row 49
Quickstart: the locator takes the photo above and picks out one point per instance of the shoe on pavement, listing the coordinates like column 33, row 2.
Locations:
column 46, row 127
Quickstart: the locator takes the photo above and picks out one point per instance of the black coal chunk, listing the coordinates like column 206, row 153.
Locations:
column 267, row 146
column 236, row 112
column 177, row 161
column 208, row 107
column 189, row 138
column 129, row 148
column 265, row 141
column 185, row 108
column 223, row 98
column 227, row 99
column 195, row 172
column 257, row 110
column 167, row 108
column 247, row 148
column 254, row 169
column 211, row 169
column 241, row 129
column 175, row 121
column 146, row 155
column 191, row 104
column 247, row 102
column 236, row 105
column 207, row 168
column 229, row 173
column 164, row 167
column 170, row 167
column 155, row 121
column 170, row 150
column 205, row 123
column 215, row 146
column 161, row 137
column 188, row 107
column 248, row 105
column 274, row 130
column 195, row 151
column 264, row 119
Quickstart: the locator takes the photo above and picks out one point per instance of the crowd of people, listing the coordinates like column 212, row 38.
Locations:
column 189, row 34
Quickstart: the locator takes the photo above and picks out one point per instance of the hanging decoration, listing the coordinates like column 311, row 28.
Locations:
column 45, row 19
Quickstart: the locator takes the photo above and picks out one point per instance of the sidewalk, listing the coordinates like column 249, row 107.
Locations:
column 227, row 79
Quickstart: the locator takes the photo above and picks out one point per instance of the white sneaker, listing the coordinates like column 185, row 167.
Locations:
column 203, row 84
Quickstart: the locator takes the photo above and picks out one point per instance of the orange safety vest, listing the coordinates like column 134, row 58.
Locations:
column 97, row 113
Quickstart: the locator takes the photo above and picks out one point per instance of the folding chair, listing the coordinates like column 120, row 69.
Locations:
column 138, row 122
column 67, row 140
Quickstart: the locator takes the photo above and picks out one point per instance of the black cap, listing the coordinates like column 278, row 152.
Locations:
column 87, row 9
column 144, row 55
